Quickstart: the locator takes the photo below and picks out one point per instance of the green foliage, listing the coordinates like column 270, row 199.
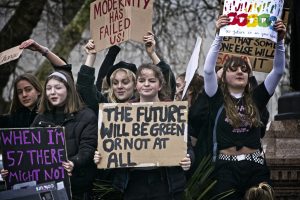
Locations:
column 198, row 187
column 102, row 190
column 201, row 183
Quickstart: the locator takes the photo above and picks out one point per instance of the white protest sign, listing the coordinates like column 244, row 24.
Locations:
column 192, row 65
column 253, row 18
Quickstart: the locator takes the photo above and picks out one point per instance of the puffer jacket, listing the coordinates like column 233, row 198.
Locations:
column 81, row 143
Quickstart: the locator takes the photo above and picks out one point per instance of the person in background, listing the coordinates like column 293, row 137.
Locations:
column 261, row 192
column 235, row 116
column 194, row 89
column 61, row 106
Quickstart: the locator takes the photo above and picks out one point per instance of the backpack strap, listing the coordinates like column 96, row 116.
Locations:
column 215, row 143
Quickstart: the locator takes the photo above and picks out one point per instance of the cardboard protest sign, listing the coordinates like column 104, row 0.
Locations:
column 260, row 52
column 34, row 154
column 113, row 22
column 10, row 55
column 252, row 19
column 142, row 134
column 192, row 66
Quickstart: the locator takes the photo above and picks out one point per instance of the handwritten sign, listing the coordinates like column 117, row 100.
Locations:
column 142, row 134
column 113, row 22
column 10, row 55
column 34, row 154
column 260, row 51
column 252, row 18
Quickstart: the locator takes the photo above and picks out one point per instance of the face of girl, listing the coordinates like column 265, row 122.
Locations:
column 27, row 94
column 122, row 86
column 179, row 88
column 56, row 92
column 147, row 84
column 237, row 78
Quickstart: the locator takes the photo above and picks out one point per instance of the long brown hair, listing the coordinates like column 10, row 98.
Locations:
column 16, row 104
column 251, row 112
column 73, row 101
column 195, row 87
column 164, row 93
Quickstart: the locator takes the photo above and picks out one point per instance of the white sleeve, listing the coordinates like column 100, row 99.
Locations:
column 275, row 75
column 210, row 76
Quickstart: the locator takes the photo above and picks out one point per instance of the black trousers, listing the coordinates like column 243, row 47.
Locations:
column 149, row 185
column 240, row 176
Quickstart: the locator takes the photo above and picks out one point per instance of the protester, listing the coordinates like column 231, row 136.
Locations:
column 26, row 95
column 61, row 106
column 27, row 90
column 121, row 89
column 261, row 192
column 194, row 89
column 235, row 116
column 152, row 182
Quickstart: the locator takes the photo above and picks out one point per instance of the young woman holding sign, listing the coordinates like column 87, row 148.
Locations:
column 235, row 115
column 61, row 106
column 153, row 182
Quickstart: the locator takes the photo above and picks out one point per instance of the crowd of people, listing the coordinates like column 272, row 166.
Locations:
column 227, row 117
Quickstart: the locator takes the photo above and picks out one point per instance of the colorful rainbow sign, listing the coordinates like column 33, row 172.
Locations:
column 254, row 18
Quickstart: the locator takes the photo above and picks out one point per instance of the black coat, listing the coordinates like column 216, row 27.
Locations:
column 81, row 143
column 22, row 118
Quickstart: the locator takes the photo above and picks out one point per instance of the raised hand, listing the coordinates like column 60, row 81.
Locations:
column 281, row 29
column 223, row 20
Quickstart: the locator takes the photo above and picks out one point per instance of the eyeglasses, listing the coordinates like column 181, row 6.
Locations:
column 243, row 68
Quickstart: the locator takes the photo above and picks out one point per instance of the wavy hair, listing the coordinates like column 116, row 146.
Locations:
column 261, row 192
column 195, row 87
column 251, row 112
column 131, row 76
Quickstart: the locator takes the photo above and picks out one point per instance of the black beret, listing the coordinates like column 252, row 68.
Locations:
column 119, row 65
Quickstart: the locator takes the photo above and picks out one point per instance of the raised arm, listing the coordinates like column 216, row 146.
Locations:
column 210, row 76
column 86, row 78
column 34, row 46
column 275, row 75
column 106, row 64
column 169, row 76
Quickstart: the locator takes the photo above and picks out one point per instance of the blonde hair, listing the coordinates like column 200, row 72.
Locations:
column 261, row 192
column 131, row 76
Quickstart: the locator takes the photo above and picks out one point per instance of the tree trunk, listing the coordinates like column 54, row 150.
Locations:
column 16, row 30
column 295, row 44
column 68, row 39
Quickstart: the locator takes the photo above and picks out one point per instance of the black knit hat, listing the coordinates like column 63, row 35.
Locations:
column 119, row 65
